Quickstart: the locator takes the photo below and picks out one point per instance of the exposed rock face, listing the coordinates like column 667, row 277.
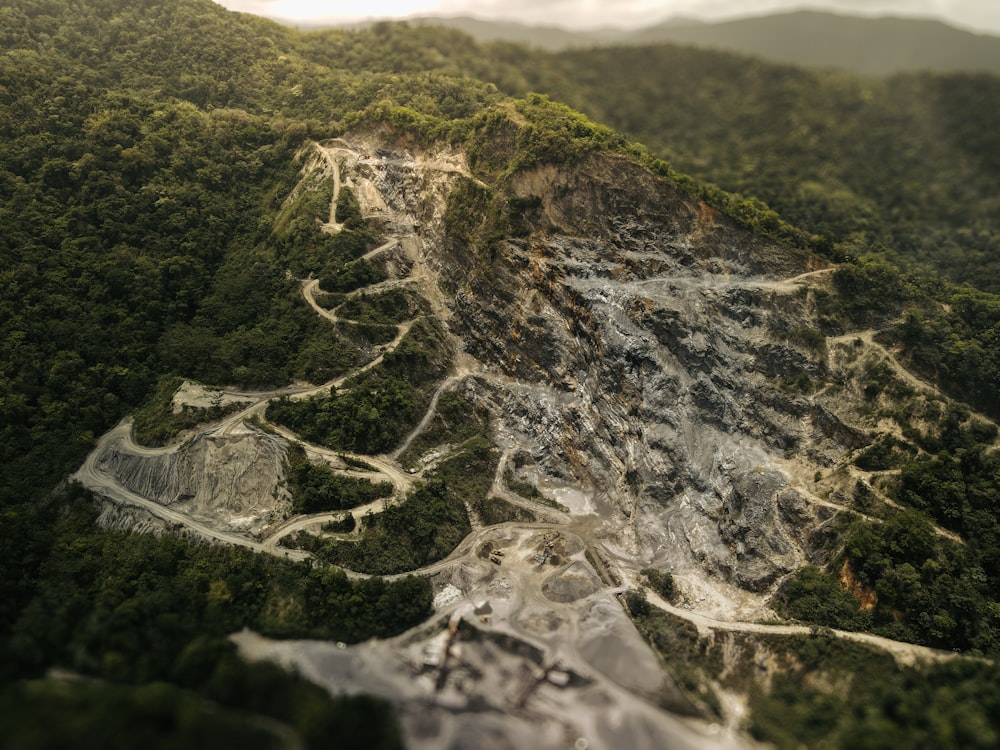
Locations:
column 406, row 189
column 753, row 521
column 115, row 516
column 651, row 339
column 647, row 364
column 231, row 475
column 643, row 359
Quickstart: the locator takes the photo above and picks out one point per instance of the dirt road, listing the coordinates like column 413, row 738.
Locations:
column 526, row 602
column 92, row 477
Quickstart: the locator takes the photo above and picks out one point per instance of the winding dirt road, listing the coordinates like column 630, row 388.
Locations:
column 905, row 654
column 868, row 337
column 388, row 468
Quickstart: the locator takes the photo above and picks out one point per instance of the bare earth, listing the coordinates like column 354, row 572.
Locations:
column 597, row 683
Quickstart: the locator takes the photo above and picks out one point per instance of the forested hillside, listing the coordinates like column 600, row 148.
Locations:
column 805, row 38
column 904, row 168
column 147, row 148
column 905, row 165
column 818, row 39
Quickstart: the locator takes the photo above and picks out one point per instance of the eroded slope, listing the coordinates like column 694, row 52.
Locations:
column 657, row 390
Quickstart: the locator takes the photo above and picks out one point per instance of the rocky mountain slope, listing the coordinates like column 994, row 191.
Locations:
column 656, row 389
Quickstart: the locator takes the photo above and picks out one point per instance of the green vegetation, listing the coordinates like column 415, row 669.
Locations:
column 494, row 510
column 316, row 488
column 344, row 525
column 91, row 288
column 886, row 164
column 136, row 608
column 918, row 587
column 388, row 308
column 78, row 714
column 423, row 529
column 296, row 231
column 356, row 463
column 300, row 242
column 211, row 710
column 810, row 595
column 123, row 606
column 468, row 471
column 428, row 525
column 469, row 202
column 146, row 153
column 823, row 691
column 660, row 581
column 156, row 422
column 836, row 694
column 791, row 37
column 377, row 408
column 682, row 650
column 253, row 330
column 147, row 150
column 558, row 134
column 456, row 420
column 529, row 491
column 885, row 454
column 917, row 584
column 948, row 334
column 351, row 276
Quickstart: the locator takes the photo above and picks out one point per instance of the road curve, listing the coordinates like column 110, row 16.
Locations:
column 905, row 654
column 92, row 477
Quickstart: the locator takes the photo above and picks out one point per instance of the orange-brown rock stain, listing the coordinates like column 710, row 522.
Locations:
column 867, row 599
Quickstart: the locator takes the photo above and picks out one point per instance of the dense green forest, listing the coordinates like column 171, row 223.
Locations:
column 139, row 609
column 378, row 407
column 145, row 155
column 317, row 489
column 432, row 521
column 146, row 150
column 922, row 587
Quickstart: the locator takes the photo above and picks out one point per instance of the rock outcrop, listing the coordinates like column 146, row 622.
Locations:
column 232, row 476
column 652, row 345
column 649, row 364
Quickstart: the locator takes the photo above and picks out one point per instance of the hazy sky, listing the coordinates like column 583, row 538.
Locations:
column 982, row 15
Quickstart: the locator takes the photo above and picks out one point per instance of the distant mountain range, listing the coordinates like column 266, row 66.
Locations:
column 872, row 46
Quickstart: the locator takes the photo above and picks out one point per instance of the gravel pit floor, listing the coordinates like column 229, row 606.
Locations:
column 503, row 665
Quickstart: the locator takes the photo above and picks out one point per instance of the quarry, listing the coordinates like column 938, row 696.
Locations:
column 652, row 401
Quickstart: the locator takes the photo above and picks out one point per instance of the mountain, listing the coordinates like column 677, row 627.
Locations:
column 542, row 37
column 813, row 39
column 492, row 425
column 871, row 46
column 905, row 163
